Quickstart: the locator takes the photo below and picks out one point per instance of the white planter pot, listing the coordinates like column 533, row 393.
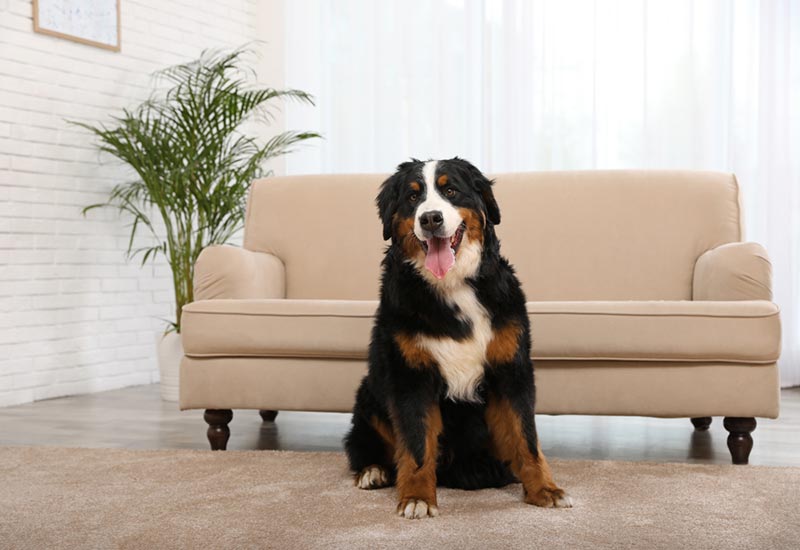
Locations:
column 170, row 353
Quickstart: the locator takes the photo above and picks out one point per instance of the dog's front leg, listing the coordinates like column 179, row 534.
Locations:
column 417, row 421
column 512, row 429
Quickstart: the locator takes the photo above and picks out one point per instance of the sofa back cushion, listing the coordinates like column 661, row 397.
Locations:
column 586, row 235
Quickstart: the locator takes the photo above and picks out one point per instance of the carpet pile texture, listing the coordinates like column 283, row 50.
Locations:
column 103, row 498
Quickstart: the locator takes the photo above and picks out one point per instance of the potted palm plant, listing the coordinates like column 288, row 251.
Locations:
column 193, row 166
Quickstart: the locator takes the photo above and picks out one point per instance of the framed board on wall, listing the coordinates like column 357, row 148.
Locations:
column 92, row 22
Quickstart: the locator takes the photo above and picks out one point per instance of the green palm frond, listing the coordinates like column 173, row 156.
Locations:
column 193, row 164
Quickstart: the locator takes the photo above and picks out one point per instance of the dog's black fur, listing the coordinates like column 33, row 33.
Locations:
column 399, row 395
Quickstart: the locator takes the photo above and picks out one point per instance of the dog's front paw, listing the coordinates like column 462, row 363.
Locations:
column 416, row 508
column 549, row 498
column 372, row 477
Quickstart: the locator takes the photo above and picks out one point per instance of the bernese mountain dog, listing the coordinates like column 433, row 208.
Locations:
column 449, row 394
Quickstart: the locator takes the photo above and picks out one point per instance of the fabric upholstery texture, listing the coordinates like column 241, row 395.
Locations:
column 587, row 235
column 663, row 389
column 231, row 272
column 733, row 271
column 643, row 299
column 744, row 331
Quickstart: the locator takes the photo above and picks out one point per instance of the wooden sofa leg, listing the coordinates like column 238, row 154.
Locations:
column 218, row 430
column 268, row 416
column 701, row 423
column 740, row 443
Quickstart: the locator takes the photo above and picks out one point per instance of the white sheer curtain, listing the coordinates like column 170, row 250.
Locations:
column 565, row 84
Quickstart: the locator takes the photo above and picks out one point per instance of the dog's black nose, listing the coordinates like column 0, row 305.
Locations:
column 431, row 221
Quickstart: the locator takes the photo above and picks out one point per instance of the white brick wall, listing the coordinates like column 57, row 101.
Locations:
column 75, row 317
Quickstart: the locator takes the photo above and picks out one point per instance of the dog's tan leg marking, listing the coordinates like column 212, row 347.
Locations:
column 509, row 445
column 386, row 433
column 416, row 483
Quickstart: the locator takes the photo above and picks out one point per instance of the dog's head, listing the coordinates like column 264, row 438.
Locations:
column 439, row 213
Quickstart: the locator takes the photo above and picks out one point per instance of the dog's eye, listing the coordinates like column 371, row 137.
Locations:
column 413, row 197
column 449, row 192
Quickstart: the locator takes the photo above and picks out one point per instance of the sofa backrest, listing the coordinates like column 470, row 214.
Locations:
column 585, row 235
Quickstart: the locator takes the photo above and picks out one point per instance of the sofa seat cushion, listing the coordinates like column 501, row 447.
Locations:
column 278, row 328
column 735, row 331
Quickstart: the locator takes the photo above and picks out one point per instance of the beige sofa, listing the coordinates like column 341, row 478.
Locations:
column 643, row 299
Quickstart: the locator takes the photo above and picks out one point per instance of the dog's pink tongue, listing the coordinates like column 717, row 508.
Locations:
column 440, row 257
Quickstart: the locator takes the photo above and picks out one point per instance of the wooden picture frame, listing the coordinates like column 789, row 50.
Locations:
column 38, row 27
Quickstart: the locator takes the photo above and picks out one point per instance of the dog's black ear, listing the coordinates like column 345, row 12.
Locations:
column 387, row 203
column 485, row 187
column 482, row 185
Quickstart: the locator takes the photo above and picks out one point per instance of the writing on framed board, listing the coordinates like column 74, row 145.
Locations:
column 92, row 22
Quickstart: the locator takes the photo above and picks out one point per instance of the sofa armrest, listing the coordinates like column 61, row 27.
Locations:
column 733, row 271
column 229, row 272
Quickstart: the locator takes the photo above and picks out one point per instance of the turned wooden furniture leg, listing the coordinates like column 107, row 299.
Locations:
column 268, row 416
column 701, row 423
column 218, row 430
column 740, row 443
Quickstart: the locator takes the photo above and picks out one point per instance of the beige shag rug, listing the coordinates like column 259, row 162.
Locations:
column 102, row 498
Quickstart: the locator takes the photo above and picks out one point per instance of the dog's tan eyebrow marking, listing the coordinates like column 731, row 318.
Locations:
column 442, row 180
column 415, row 186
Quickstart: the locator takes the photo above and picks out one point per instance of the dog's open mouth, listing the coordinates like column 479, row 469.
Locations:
column 440, row 252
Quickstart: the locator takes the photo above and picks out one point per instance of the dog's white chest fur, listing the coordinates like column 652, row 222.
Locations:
column 461, row 362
